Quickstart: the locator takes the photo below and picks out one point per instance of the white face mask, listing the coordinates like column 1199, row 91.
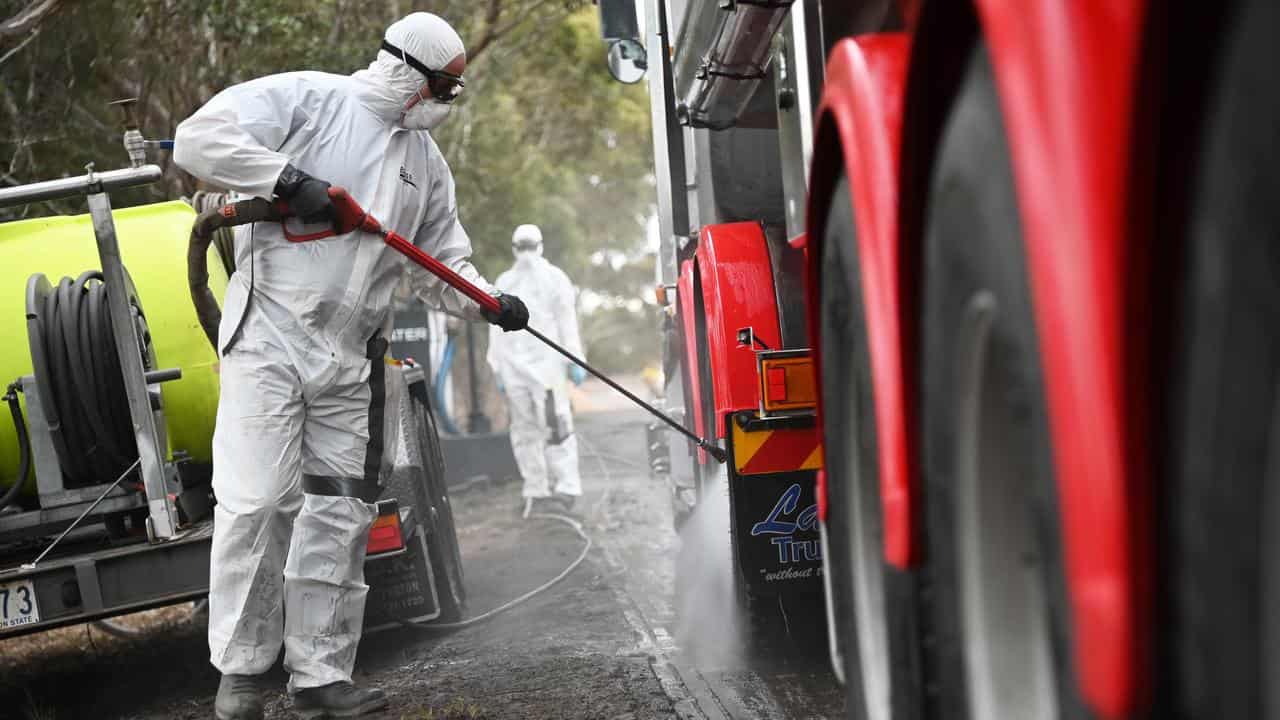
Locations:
column 426, row 115
column 527, row 257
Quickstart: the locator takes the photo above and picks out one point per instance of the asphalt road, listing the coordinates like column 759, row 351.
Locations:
column 613, row 640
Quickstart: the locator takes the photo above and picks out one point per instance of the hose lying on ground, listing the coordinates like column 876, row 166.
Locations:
column 586, row 547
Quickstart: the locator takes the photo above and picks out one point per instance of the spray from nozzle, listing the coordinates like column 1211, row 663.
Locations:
column 710, row 625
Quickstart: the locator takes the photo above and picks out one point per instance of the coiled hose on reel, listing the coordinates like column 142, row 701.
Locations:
column 79, row 377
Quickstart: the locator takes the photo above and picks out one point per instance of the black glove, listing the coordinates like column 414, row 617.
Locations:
column 513, row 316
column 308, row 197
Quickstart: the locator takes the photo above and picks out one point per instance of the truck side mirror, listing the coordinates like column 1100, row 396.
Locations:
column 627, row 61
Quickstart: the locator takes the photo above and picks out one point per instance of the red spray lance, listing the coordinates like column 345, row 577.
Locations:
column 349, row 217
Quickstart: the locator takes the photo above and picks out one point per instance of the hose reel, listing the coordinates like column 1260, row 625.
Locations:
column 78, row 374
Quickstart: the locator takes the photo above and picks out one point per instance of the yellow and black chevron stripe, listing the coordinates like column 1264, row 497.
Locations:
column 775, row 451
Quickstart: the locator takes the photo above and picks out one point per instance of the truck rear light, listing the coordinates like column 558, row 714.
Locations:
column 786, row 382
column 776, row 379
column 385, row 535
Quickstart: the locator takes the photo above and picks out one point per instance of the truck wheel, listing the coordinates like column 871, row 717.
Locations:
column 997, row 615
column 424, row 488
column 442, row 539
column 1221, row 488
column 877, row 680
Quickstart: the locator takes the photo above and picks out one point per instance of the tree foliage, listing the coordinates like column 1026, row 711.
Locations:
column 542, row 133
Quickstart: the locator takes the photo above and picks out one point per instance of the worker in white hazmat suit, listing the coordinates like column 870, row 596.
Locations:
column 302, row 419
column 533, row 376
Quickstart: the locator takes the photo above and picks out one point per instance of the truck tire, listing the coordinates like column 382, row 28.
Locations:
column 873, row 607
column 996, row 616
column 424, row 488
column 1220, row 537
column 442, row 544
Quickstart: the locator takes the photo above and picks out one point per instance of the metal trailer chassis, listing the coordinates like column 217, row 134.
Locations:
column 83, row 584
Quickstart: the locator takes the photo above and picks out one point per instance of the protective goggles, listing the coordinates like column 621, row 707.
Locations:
column 445, row 87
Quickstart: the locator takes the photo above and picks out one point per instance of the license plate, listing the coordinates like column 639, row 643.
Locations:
column 18, row 604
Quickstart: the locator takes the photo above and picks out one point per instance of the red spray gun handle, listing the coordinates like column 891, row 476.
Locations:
column 442, row 271
column 349, row 217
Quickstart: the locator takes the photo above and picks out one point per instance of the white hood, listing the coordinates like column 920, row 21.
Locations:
column 391, row 81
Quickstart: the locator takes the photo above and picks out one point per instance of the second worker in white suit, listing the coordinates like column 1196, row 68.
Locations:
column 534, row 377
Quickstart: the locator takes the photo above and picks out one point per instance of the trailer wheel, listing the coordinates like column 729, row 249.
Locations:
column 1221, row 495
column 870, row 608
column 997, row 610
column 442, row 544
column 424, row 487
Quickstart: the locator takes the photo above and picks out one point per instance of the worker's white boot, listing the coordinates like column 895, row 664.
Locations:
column 239, row 698
column 337, row 700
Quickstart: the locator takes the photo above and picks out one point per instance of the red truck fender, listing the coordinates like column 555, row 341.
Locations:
column 737, row 292
column 858, row 127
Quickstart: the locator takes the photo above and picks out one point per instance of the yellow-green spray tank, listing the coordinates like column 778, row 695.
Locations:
column 153, row 244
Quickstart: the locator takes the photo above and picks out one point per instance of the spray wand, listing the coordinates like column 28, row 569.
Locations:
column 349, row 216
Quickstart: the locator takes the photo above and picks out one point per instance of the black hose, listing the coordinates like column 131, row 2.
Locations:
column 24, row 448
column 224, row 237
column 81, row 378
column 203, row 230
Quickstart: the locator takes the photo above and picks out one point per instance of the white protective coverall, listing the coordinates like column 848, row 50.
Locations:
column 546, row 449
column 298, row 446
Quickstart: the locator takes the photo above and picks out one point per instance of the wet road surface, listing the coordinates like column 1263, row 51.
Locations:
column 607, row 642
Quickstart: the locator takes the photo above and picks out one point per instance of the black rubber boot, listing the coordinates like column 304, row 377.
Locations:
column 338, row 700
column 239, row 698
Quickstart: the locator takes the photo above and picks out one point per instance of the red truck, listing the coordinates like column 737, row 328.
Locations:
column 1015, row 269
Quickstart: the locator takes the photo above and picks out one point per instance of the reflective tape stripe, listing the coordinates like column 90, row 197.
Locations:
column 334, row 486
